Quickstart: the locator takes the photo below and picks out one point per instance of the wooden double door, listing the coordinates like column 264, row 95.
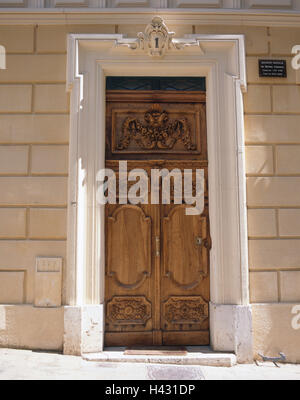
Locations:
column 157, row 256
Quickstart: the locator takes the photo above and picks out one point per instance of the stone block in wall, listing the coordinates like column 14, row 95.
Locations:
column 27, row 327
column 273, row 191
column 37, row 191
column 17, row 39
column 47, row 223
column 15, row 98
column 259, row 160
column 13, row 160
column 49, row 160
column 51, row 99
column 288, row 159
column 256, row 37
column 231, row 330
column 274, row 253
column 13, row 223
column 283, row 39
column 34, row 128
column 53, row 39
column 286, row 99
column 48, row 282
column 263, row 287
column 34, row 68
column 261, row 223
column 289, row 222
column 290, row 286
column 273, row 330
column 12, row 287
column 257, row 99
column 272, row 128
column 84, row 326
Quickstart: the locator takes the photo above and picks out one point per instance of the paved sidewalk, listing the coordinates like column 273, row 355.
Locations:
column 26, row 364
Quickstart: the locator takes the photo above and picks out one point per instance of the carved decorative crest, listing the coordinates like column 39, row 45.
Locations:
column 157, row 40
column 129, row 310
column 157, row 133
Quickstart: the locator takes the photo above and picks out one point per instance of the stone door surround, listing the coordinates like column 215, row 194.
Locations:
column 221, row 59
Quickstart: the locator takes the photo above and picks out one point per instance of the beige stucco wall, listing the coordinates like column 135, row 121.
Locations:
column 34, row 109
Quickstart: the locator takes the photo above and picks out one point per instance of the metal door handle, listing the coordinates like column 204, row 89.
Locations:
column 203, row 242
column 157, row 246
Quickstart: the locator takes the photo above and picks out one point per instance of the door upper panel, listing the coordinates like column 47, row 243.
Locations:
column 185, row 254
column 156, row 125
column 129, row 241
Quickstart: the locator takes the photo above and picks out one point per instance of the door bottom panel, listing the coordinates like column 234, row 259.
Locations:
column 170, row 338
column 128, row 338
column 192, row 338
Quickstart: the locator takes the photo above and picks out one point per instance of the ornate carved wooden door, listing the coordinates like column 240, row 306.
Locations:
column 157, row 257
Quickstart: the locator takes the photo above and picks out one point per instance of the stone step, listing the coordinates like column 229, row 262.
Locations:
column 196, row 355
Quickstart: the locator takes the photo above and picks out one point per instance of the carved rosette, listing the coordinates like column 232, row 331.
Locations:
column 185, row 310
column 129, row 310
column 157, row 133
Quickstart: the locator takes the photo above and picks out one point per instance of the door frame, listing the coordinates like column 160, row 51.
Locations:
column 221, row 59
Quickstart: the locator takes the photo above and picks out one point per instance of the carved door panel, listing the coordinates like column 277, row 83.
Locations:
column 157, row 257
column 129, row 270
column 184, row 276
column 155, row 125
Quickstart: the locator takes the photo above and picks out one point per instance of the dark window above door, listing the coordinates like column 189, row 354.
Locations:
column 190, row 84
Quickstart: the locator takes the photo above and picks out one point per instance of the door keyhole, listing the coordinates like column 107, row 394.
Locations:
column 198, row 241
column 156, row 43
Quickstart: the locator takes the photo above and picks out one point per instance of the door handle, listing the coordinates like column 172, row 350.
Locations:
column 157, row 246
column 206, row 242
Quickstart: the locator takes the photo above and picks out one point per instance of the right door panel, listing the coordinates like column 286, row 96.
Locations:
column 185, row 278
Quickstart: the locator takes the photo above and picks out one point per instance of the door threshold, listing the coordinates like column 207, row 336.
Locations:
column 195, row 355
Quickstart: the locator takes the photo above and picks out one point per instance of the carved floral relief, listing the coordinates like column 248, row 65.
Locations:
column 129, row 310
column 185, row 310
column 157, row 132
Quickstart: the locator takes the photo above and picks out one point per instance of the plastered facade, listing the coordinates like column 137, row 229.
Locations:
column 34, row 138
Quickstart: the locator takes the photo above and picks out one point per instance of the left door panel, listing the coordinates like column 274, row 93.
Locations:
column 129, row 305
